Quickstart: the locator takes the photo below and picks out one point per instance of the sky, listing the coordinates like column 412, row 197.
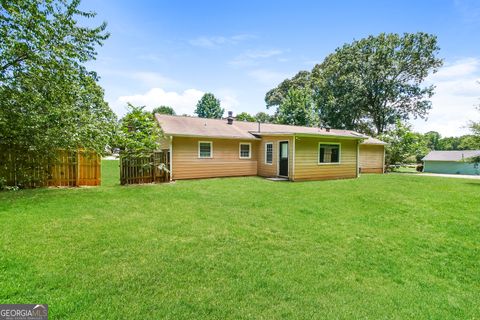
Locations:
column 172, row 52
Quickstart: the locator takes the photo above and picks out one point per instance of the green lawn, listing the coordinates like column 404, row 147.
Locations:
column 382, row 246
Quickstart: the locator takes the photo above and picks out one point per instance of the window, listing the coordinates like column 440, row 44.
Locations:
column 205, row 149
column 245, row 150
column 269, row 153
column 329, row 153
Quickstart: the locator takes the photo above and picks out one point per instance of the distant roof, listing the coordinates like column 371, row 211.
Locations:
column 219, row 128
column 451, row 155
column 373, row 141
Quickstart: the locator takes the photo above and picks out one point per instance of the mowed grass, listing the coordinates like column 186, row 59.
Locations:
column 382, row 246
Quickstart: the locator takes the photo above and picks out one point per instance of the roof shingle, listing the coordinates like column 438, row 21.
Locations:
column 451, row 155
column 202, row 127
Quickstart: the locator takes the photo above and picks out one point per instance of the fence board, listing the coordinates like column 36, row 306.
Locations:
column 145, row 169
column 66, row 168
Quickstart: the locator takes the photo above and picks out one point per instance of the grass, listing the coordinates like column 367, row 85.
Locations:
column 382, row 246
column 406, row 169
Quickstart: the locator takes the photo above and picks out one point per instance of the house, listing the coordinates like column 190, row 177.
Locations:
column 451, row 162
column 206, row 148
column 372, row 156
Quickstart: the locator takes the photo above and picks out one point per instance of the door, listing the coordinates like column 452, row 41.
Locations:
column 283, row 159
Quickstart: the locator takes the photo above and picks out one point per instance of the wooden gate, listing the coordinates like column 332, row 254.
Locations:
column 149, row 168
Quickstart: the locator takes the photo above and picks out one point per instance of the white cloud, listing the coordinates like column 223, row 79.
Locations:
column 267, row 77
column 251, row 57
column 457, row 93
column 459, row 68
column 217, row 41
column 182, row 103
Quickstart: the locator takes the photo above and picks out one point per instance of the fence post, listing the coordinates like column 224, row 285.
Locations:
column 77, row 178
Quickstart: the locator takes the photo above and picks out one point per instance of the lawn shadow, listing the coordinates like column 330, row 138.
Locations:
column 473, row 183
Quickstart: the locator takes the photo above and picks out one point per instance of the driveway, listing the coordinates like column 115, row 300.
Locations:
column 444, row 175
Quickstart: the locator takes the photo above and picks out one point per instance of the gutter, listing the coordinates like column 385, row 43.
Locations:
column 212, row 137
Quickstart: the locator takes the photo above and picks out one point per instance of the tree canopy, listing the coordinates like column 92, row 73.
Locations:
column 367, row 85
column 404, row 145
column 245, row 116
column 49, row 98
column 138, row 133
column 297, row 108
column 209, row 107
column 263, row 117
column 164, row 110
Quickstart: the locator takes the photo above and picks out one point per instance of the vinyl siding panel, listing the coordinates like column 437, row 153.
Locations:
column 371, row 158
column 271, row 170
column 225, row 162
column 306, row 160
column 450, row 167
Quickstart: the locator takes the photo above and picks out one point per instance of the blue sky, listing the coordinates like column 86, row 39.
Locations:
column 171, row 52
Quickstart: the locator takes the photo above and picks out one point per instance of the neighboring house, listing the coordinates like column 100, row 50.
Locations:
column 206, row 148
column 372, row 156
column 453, row 162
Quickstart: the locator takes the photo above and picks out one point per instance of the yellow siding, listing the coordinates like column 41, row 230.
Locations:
column 226, row 160
column 371, row 158
column 306, row 160
column 271, row 170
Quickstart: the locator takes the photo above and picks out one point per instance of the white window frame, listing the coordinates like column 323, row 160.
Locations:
column 330, row 163
column 267, row 143
column 249, row 150
column 211, row 149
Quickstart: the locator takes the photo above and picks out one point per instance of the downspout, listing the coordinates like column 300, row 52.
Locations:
column 170, row 158
column 358, row 155
column 383, row 164
column 293, row 158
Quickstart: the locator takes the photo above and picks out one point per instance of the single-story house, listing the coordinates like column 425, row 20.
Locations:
column 451, row 162
column 207, row 148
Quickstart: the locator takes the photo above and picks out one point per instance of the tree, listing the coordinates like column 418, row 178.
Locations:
column 164, row 110
column 404, row 145
column 369, row 84
column 475, row 126
column 469, row 142
column 263, row 117
column 49, row 98
column 139, row 133
column 432, row 139
column 245, row 116
column 276, row 96
column 209, row 107
column 297, row 109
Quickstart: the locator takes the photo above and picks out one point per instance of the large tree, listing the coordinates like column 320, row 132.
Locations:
column 296, row 109
column 276, row 96
column 209, row 107
column 263, row 117
column 139, row 133
column 371, row 83
column 49, row 98
column 432, row 139
column 245, row 116
column 164, row 110
column 404, row 145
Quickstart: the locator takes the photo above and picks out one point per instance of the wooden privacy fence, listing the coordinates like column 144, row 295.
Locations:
column 65, row 168
column 149, row 168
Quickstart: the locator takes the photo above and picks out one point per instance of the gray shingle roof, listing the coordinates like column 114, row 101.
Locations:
column 451, row 155
column 374, row 141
